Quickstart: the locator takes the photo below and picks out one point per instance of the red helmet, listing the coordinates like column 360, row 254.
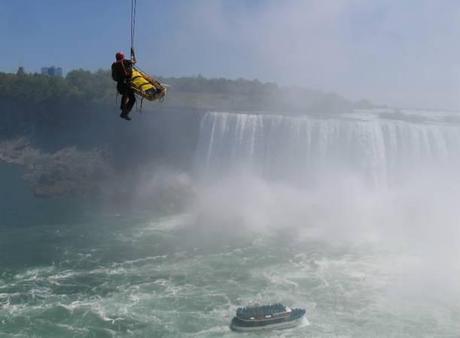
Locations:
column 119, row 56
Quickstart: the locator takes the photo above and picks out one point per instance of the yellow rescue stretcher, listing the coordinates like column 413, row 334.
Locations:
column 146, row 86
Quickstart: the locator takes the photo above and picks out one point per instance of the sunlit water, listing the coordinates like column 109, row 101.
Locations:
column 160, row 277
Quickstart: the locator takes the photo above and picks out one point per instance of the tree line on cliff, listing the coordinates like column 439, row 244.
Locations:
column 83, row 88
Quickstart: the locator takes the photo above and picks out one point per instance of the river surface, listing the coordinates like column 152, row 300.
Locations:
column 153, row 276
column 354, row 218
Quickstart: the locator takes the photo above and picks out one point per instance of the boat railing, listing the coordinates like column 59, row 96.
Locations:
column 260, row 311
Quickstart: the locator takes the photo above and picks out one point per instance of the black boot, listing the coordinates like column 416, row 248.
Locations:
column 125, row 116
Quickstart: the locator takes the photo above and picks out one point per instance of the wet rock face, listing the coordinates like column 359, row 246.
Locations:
column 66, row 171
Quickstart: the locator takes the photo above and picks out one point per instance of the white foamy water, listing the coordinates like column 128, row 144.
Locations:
column 172, row 284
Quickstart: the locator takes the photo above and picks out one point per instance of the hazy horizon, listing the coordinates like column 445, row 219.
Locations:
column 400, row 54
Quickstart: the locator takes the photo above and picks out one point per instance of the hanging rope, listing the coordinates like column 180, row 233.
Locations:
column 133, row 24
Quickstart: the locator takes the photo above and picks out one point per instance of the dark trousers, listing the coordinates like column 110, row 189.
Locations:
column 128, row 99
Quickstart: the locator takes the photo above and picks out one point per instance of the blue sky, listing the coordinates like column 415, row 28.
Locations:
column 404, row 53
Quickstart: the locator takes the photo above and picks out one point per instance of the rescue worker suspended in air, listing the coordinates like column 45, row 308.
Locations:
column 122, row 71
column 131, row 81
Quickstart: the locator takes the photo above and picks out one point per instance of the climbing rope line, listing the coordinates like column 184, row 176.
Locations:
column 133, row 23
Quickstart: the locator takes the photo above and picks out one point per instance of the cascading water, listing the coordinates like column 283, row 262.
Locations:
column 301, row 149
column 362, row 262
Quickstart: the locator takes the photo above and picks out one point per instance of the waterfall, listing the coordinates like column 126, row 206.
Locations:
column 301, row 149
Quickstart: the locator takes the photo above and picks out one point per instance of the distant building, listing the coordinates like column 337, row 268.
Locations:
column 20, row 71
column 52, row 71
